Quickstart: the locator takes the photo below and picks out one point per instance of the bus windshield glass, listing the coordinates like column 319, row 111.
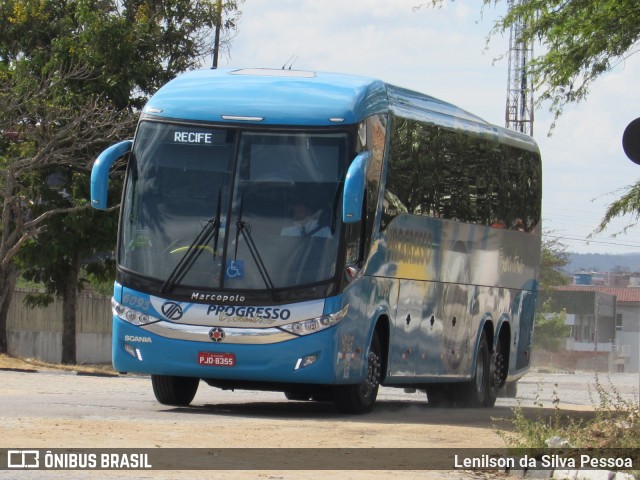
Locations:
column 211, row 208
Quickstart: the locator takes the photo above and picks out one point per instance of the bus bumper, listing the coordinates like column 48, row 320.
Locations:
column 307, row 359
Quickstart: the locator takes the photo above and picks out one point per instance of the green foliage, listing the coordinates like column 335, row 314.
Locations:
column 72, row 75
column 550, row 329
column 552, row 260
column 615, row 423
column 627, row 204
column 102, row 283
column 532, row 433
column 60, row 55
column 581, row 40
column 129, row 48
column 38, row 300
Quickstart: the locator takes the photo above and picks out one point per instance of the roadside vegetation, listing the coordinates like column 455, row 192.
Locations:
column 8, row 362
column 613, row 424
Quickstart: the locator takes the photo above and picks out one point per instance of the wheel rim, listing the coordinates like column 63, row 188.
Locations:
column 372, row 380
column 497, row 365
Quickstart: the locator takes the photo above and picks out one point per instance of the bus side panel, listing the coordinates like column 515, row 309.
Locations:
column 451, row 277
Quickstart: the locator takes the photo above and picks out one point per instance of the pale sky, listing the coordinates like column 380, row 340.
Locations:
column 441, row 52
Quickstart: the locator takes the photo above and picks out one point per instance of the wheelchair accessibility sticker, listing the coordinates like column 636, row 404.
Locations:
column 234, row 269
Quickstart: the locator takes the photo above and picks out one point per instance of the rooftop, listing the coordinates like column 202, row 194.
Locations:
column 623, row 295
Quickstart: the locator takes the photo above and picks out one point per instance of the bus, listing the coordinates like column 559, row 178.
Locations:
column 321, row 235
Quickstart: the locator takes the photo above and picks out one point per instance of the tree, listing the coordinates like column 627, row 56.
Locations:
column 132, row 46
column 627, row 204
column 41, row 132
column 550, row 329
column 55, row 257
column 127, row 49
column 580, row 39
column 553, row 258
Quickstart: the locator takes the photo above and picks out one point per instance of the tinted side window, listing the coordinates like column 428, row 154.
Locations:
column 447, row 174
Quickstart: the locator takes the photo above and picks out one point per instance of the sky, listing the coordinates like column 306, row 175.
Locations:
column 443, row 52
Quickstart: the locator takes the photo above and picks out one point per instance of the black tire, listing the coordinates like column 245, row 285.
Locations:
column 441, row 395
column 482, row 390
column 324, row 394
column 174, row 391
column 436, row 396
column 358, row 399
column 511, row 389
column 319, row 394
column 299, row 395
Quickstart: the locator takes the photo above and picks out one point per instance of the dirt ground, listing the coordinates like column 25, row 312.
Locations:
column 59, row 408
column 9, row 362
column 395, row 422
column 78, row 411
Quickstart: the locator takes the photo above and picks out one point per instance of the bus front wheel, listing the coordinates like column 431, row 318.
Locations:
column 174, row 391
column 360, row 398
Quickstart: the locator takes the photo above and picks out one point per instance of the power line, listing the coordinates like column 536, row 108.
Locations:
column 599, row 242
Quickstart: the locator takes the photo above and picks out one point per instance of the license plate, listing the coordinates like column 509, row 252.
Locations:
column 212, row 359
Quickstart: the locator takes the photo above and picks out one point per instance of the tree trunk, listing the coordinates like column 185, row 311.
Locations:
column 69, row 303
column 8, row 278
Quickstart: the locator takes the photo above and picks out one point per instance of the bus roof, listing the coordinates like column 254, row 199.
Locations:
column 306, row 98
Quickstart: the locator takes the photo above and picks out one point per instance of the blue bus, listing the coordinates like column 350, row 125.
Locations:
column 321, row 235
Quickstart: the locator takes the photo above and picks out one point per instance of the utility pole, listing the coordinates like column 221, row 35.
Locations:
column 519, row 111
column 216, row 42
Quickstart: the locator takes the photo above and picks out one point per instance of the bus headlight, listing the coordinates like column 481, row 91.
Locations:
column 313, row 325
column 131, row 316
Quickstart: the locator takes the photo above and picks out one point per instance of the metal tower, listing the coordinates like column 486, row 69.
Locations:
column 519, row 112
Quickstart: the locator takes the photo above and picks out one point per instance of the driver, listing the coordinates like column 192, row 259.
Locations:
column 305, row 223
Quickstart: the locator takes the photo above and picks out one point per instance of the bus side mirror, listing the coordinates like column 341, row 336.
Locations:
column 353, row 194
column 100, row 172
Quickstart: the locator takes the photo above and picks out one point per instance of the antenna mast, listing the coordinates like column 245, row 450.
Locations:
column 519, row 111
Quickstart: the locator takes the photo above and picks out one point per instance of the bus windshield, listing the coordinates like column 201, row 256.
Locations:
column 212, row 208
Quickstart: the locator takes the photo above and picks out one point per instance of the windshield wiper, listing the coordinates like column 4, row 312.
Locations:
column 210, row 229
column 244, row 228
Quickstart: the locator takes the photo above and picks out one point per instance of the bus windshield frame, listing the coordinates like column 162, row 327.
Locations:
column 207, row 208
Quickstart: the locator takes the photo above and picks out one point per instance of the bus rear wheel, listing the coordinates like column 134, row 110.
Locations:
column 174, row 391
column 360, row 398
column 482, row 390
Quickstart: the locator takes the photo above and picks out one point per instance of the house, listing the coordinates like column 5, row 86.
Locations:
column 605, row 325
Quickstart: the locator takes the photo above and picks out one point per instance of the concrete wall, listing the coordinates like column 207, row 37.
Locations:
column 628, row 342
column 37, row 332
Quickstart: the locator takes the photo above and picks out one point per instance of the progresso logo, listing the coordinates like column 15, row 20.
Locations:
column 172, row 310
